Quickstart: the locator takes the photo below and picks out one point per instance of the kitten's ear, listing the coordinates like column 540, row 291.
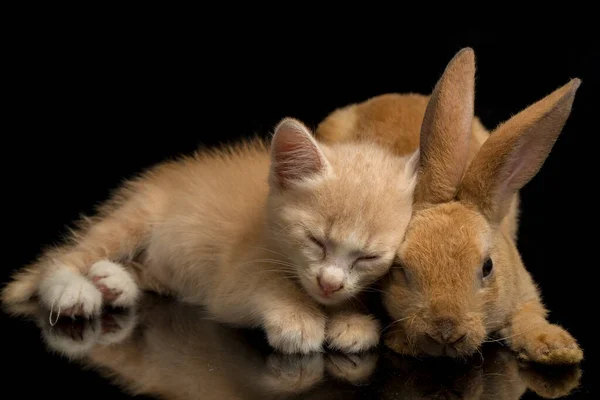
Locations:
column 515, row 151
column 295, row 154
column 446, row 130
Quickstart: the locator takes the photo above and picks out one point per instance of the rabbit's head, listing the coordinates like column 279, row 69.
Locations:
column 457, row 265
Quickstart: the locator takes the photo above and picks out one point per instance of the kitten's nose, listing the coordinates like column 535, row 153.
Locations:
column 329, row 286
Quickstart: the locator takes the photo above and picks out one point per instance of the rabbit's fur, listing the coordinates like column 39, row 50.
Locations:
column 465, row 217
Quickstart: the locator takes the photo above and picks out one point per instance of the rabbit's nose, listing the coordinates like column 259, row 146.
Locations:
column 448, row 331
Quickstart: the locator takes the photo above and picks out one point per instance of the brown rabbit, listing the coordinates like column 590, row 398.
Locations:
column 459, row 278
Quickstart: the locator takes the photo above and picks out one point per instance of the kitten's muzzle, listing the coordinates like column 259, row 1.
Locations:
column 328, row 287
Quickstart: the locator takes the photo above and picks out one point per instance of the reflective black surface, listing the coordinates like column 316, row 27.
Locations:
column 95, row 101
column 166, row 349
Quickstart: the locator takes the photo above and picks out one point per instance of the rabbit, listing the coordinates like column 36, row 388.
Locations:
column 459, row 279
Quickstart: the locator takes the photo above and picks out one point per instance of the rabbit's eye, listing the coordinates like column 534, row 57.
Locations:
column 487, row 268
column 397, row 268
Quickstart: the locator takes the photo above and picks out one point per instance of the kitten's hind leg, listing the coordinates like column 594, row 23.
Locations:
column 115, row 283
column 77, row 277
column 66, row 292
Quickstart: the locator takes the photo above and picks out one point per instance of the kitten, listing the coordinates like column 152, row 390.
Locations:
column 274, row 236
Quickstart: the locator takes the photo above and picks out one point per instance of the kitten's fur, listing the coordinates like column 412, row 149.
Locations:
column 241, row 231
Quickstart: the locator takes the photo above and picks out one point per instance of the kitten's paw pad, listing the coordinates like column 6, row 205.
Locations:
column 352, row 333
column 292, row 374
column 295, row 331
column 116, row 285
column 550, row 344
column 67, row 293
column 353, row 368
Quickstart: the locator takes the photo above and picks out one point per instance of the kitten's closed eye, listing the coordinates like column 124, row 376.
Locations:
column 371, row 257
column 316, row 241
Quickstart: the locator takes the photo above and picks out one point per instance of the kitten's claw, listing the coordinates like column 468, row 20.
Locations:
column 295, row 331
column 65, row 292
column 352, row 332
column 115, row 284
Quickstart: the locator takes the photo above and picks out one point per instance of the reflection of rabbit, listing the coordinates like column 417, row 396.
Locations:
column 172, row 350
column 497, row 375
column 460, row 277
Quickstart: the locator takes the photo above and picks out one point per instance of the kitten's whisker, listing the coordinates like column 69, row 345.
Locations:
column 361, row 303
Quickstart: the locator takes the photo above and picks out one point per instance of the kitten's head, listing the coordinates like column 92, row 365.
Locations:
column 338, row 212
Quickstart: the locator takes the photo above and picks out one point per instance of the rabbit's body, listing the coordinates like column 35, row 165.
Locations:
column 460, row 278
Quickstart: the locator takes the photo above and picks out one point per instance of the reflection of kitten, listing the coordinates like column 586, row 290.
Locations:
column 241, row 231
column 176, row 351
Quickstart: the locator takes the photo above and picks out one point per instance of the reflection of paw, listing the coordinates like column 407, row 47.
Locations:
column 352, row 332
column 551, row 384
column 295, row 331
column 67, row 293
column 353, row 368
column 115, row 284
column 549, row 344
column 75, row 337
column 72, row 338
column 116, row 327
column 292, row 374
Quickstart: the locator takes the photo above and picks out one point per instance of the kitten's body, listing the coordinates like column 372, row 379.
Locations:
column 234, row 230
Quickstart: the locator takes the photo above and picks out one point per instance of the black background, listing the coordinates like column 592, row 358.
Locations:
column 93, row 102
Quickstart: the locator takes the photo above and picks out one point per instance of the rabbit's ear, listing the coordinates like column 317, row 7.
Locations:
column 515, row 151
column 446, row 130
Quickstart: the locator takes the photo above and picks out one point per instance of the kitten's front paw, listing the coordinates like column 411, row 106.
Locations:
column 65, row 292
column 115, row 284
column 549, row 344
column 352, row 332
column 295, row 331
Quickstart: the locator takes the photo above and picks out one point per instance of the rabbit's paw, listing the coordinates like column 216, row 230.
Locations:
column 66, row 292
column 352, row 333
column 549, row 344
column 295, row 331
column 115, row 284
column 398, row 342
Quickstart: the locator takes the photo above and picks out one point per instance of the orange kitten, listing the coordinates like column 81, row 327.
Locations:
column 261, row 236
